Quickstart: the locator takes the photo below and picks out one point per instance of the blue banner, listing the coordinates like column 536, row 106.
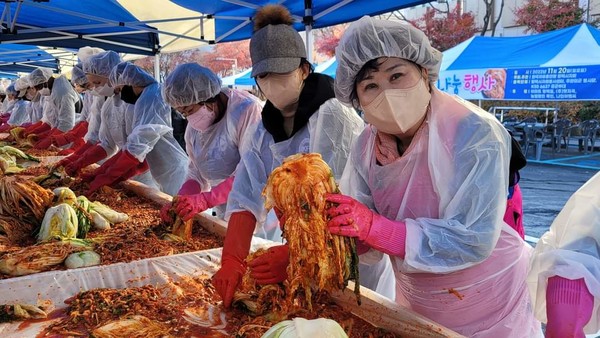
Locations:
column 535, row 84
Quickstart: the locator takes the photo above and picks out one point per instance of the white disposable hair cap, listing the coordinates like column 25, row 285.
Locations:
column 85, row 53
column 21, row 83
column 102, row 63
column 368, row 39
column 38, row 76
column 128, row 74
column 190, row 83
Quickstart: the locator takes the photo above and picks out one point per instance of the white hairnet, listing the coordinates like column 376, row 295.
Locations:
column 78, row 75
column 2, row 90
column 368, row 39
column 21, row 83
column 39, row 76
column 101, row 64
column 128, row 74
column 190, row 83
column 85, row 53
column 10, row 90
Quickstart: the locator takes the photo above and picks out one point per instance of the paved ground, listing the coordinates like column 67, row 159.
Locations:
column 546, row 188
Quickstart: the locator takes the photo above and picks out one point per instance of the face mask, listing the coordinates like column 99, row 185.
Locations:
column 202, row 118
column 128, row 95
column 395, row 111
column 45, row 91
column 283, row 90
column 31, row 93
column 105, row 90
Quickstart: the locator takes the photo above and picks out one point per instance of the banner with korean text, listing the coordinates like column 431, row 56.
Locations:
column 575, row 83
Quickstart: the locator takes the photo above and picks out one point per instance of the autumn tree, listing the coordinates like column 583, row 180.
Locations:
column 327, row 39
column 224, row 57
column 169, row 61
column 448, row 29
column 543, row 16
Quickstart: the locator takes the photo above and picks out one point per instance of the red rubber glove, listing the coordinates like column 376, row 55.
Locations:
column 76, row 144
column 189, row 205
column 190, row 187
column 120, row 167
column 93, row 154
column 235, row 250
column 46, row 140
column 37, row 128
column 569, row 307
column 271, row 267
column 351, row 218
column 5, row 128
column 88, row 177
column 137, row 170
column 77, row 132
column 75, row 156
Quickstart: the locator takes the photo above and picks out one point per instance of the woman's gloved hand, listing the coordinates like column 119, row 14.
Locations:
column 271, row 267
column 187, row 206
column 569, row 306
column 93, row 154
column 350, row 218
column 235, row 250
column 46, row 141
column 124, row 165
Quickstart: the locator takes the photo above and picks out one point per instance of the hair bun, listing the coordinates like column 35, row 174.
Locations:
column 272, row 15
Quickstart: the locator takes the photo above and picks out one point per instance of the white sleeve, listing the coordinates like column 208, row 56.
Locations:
column 333, row 134
column 152, row 120
column 570, row 249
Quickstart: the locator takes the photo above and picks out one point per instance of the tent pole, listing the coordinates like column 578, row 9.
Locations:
column 308, row 22
column 157, row 67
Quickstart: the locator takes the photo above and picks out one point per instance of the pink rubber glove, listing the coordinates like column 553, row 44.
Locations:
column 190, row 187
column 569, row 307
column 189, row 205
column 351, row 218
column 271, row 267
column 235, row 250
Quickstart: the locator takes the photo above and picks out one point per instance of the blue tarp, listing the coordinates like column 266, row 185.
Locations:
column 229, row 14
column 74, row 24
column 558, row 65
column 23, row 58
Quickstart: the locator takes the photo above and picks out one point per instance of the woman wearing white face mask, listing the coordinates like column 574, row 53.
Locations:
column 218, row 119
column 428, row 179
column 301, row 115
column 19, row 114
column 150, row 144
column 116, row 119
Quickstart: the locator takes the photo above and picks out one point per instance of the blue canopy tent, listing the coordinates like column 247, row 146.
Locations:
column 245, row 80
column 558, row 65
column 328, row 67
column 233, row 19
column 74, row 24
column 229, row 81
column 22, row 58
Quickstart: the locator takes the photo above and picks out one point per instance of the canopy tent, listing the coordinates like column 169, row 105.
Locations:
column 243, row 79
column 22, row 58
column 233, row 18
column 229, row 81
column 328, row 67
column 75, row 24
column 558, row 65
